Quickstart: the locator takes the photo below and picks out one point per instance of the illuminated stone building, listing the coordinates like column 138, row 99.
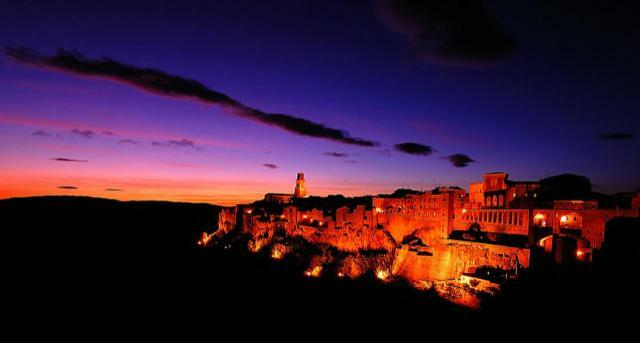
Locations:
column 285, row 198
column 301, row 189
column 431, row 212
column 580, row 219
column 459, row 244
column 445, row 237
column 500, row 192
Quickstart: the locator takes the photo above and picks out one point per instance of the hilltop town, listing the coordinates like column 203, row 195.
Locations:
column 464, row 245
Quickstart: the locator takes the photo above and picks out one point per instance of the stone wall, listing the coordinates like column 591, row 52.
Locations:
column 451, row 258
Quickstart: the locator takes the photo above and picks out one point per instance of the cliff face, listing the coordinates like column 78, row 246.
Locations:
column 454, row 268
column 402, row 226
column 227, row 220
column 347, row 239
column 349, row 251
column 450, row 259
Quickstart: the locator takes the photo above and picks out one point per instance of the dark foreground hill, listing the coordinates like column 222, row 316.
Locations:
column 106, row 265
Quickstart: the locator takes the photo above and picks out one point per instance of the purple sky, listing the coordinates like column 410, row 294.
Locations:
column 537, row 112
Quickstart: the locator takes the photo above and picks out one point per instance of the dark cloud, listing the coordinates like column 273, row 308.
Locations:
column 159, row 82
column 83, row 133
column 611, row 136
column 414, row 148
column 108, row 133
column 459, row 160
column 337, row 154
column 41, row 133
column 269, row 165
column 461, row 32
column 113, row 190
column 67, row 187
column 62, row 159
column 129, row 141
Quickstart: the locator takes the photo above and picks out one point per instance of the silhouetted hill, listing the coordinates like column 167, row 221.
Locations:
column 77, row 222
column 92, row 254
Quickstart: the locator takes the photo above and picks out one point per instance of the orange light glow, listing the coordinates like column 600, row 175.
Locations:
column 564, row 219
column 255, row 247
column 314, row 272
column 304, row 216
column 379, row 210
column 340, row 274
column 539, row 216
column 464, row 210
column 249, row 211
column 205, row 238
column 277, row 254
column 579, row 253
column 382, row 274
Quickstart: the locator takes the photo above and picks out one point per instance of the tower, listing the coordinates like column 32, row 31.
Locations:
column 301, row 190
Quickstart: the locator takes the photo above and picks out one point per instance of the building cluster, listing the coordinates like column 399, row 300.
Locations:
column 552, row 213
column 493, row 231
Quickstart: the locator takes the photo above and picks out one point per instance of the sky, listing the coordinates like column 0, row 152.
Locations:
column 363, row 96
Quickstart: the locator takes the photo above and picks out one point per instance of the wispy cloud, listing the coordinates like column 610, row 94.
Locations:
column 108, row 133
column 182, row 143
column 84, row 133
column 67, row 187
column 41, row 133
column 113, row 190
column 336, row 154
column 269, row 165
column 161, row 83
column 129, row 141
column 62, row 159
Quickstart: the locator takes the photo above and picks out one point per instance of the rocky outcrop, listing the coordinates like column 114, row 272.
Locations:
column 449, row 259
column 227, row 220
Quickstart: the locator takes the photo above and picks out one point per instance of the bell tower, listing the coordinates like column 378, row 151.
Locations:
column 301, row 190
